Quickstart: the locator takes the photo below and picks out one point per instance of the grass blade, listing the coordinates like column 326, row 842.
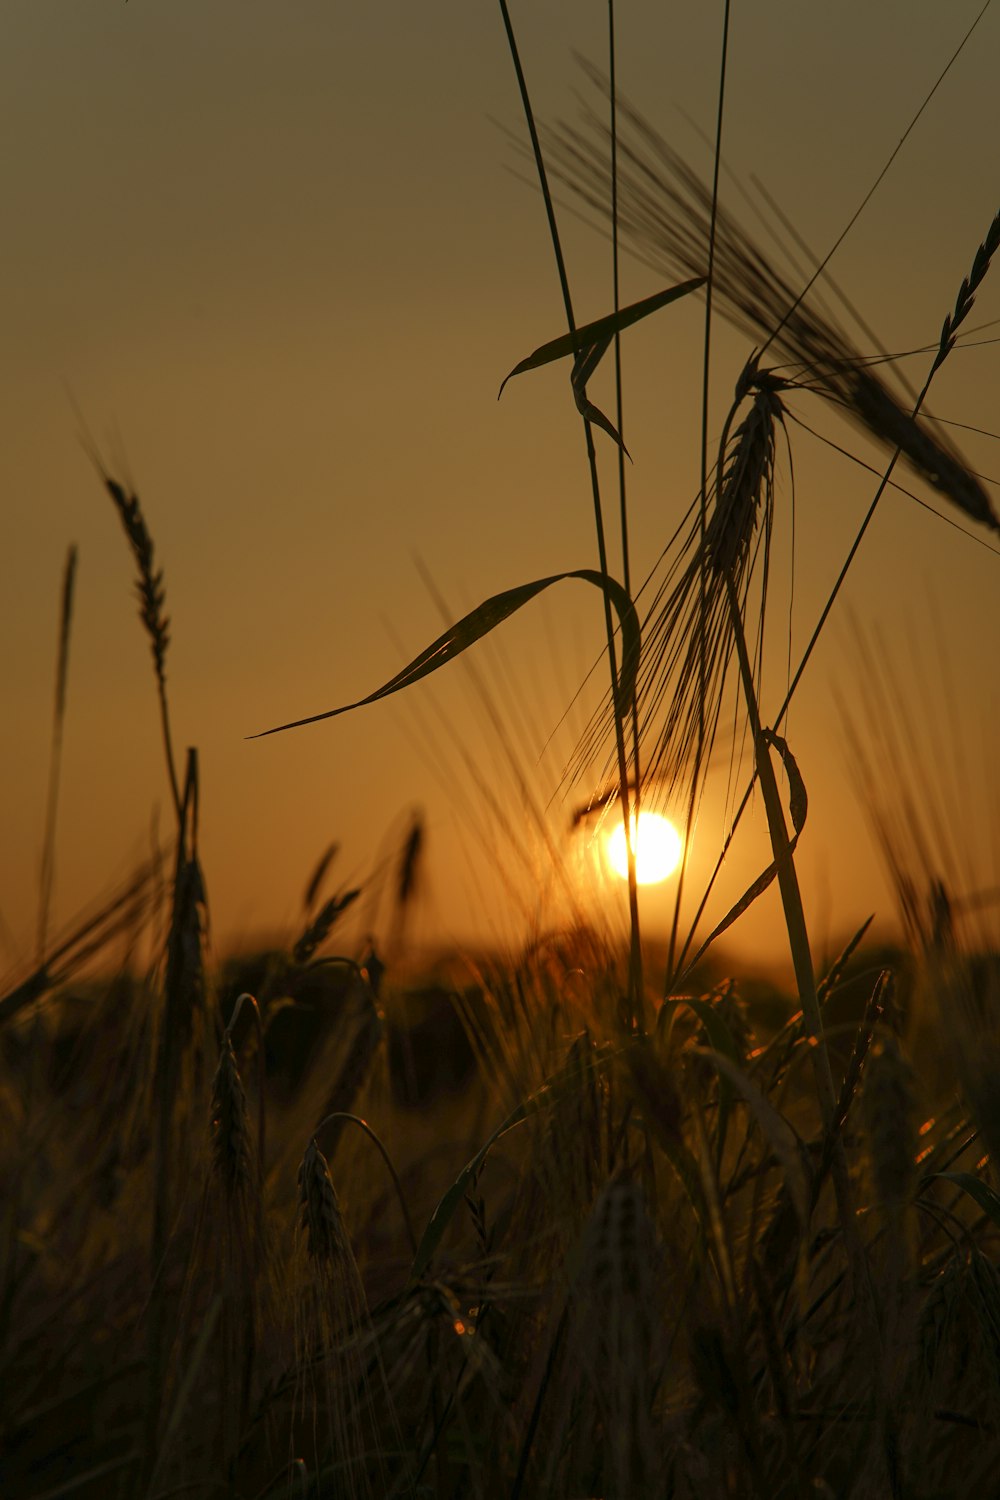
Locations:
column 602, row 331
column 486, row 617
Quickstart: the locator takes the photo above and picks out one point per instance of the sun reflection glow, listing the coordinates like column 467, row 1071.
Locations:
column 657, row 849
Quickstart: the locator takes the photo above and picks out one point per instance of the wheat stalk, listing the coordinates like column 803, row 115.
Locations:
column 55, row 759
column 612, row 1327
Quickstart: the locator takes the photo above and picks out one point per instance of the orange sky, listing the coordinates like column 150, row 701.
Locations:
column 280, row 259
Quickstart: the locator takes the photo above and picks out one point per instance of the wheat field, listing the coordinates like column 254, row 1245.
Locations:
column 592, row 1216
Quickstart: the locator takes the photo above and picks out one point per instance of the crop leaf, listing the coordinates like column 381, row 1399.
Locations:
column 600, row 333
column 486, row 617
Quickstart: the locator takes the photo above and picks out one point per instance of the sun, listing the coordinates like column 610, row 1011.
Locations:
column 657, row 849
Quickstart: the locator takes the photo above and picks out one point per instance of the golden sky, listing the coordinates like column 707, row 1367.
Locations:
column 279, row 257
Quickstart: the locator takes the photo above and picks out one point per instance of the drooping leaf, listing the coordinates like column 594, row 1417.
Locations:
column 601, row 332
column 486, row 617
column 798, row 806
column 798, row 801
column 583, row 367
column 977, row 1190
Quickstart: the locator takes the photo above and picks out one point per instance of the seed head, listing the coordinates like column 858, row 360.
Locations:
column 231, row 1139
column 320, row 1216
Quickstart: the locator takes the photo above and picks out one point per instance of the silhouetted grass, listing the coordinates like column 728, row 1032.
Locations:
column 543, row 1231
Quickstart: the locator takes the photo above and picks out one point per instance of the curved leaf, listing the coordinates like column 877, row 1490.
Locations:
column 798, row 801
column 600, row 333
column 581, row 373
column 486, row 617
column 798, row 807
column 979, row 1191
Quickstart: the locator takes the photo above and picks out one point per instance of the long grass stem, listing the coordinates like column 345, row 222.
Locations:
column 55, row 756
column 636, row 985
column 706, row 370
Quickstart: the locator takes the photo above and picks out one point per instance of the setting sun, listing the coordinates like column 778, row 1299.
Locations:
column 657, row 849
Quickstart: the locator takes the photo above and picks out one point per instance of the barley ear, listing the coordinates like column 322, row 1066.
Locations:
column 319, row 1210
column 152, row 600
column 967, row 292
column 232, row 1154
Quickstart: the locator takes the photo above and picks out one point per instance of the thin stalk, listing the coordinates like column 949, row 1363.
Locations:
column 636, row 989
column 171, row 1044
column 620, row 423
column 168, row 748
column 798, row 940
column 966, row 297
column 791, row 896
column 703, row 498
column 55, row 758
column 869, row 515
column 341, row 1114
column 8, row 1273
column 616, row 290
column 878, row 181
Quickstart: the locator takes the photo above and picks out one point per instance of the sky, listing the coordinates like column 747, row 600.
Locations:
column 278, row 260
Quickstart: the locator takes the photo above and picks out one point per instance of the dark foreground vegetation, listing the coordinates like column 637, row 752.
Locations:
column 560, row 1258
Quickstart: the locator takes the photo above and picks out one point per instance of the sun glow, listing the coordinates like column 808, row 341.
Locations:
column 657, row 849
